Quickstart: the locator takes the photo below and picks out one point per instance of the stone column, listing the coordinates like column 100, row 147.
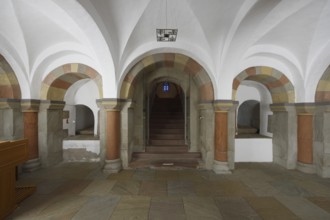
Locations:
column 305, row 134
column 110, row 134
column 30, row 110
column 224, row 138
column 284, row 127
column 11, row 119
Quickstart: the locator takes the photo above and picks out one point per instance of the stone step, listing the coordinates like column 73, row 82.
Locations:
column 162, row 142
column 165, row 136
column 158, row 149
column 167, row 164
column 167, row 131
column 167, row 155
column 167, row 121
column 158, row 125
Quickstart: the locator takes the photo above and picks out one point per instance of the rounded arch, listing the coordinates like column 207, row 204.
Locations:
column 55, row 85
column 280, row 87
column 322, row 93
column 169, row 60
column 9, row 85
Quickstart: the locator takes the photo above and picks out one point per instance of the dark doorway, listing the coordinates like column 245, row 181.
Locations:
column 166, row 122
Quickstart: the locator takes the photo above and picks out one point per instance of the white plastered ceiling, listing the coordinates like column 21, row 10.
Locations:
column 225, row 37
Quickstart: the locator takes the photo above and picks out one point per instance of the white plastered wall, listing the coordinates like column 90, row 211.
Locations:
column 250, row 90
column 84, row 92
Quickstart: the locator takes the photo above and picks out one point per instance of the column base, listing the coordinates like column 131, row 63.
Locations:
column 112, row 166
column 220, row 167
column 31, row 165
column 306, row 168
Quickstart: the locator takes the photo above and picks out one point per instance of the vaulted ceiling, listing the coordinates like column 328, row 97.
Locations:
column 225, row 37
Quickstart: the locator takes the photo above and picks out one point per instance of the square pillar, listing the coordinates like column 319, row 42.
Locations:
column 51, row 133
column 284, row 126
column 11, row 119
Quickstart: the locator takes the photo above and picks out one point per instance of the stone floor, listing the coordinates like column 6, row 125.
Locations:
column 253, row 191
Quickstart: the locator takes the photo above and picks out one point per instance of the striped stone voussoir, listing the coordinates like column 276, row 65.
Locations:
column 57, row 82
column 322, row 93
column 176, row 61
column 9, row 85
column 280, row 87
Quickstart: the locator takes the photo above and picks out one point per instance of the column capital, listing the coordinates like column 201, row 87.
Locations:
column 225, row 105
column 283, row 107
column 30, row 105
column 10, row 103
column 54, row 105
column 111, row 104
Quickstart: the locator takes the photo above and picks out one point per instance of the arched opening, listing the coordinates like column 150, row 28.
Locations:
column 84, row 120
column 256, row 88
column 172, row 86
column 167, row 116
column 248, row 118
column 79, row 86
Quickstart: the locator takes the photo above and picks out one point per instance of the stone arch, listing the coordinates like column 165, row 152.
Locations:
column 55, row 85
column 322, row 93
column 9, row 85
column 279, row 86
column 169, row 60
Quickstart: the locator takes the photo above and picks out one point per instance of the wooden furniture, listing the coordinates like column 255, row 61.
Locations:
column 12, row 153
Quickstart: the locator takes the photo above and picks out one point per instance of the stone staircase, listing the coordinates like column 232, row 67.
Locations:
column 167, row 146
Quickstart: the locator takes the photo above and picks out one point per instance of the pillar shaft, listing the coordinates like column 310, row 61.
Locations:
column 113, row 135
column 221, row 136
column 305, row 138
column 31, row 133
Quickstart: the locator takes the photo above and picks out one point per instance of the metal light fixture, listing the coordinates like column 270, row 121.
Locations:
column 166, row 34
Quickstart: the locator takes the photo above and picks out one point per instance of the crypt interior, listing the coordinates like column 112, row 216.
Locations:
column 155, row 109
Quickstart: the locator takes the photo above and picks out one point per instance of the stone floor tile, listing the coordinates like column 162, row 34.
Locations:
column 289, row 188
column 64, row 196
column 207, row 189
column 235, row 208
column 65, row 205
column 122, row 175
column 190, row 175
column 201, row 208
column 100, row 207
column 322, row 202
column 31, row 207
column 144, row 174
column 270, row 208
column 163, row 208
column 98, row 188
column 126, row 187
column 180, row 188
column 261, row 188
column 232, row 188
column 167, row 175
column 153, row 188
column 49, row 186
column 72, row 187
column 136, row 214
column 134, row 202
column 132, row 207
column 314, row 188
column 304, row 208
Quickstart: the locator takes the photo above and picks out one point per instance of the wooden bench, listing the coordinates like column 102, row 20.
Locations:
column 12, row 153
